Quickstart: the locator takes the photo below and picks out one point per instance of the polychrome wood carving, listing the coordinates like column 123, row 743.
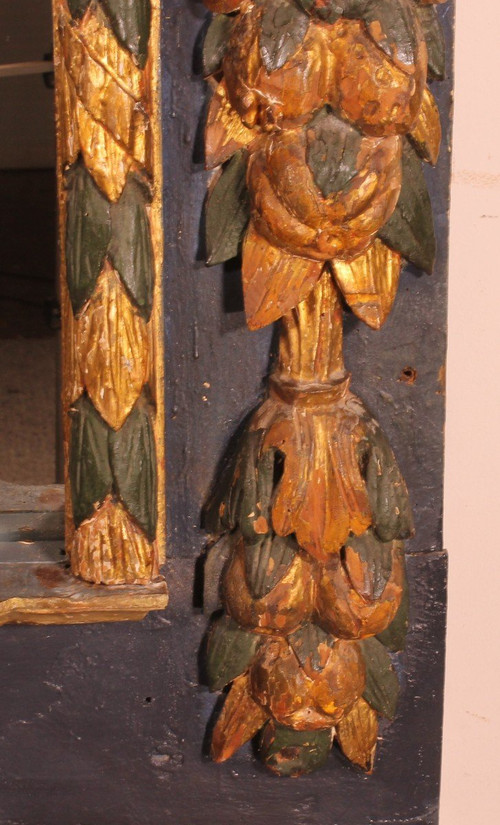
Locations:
column 106, row 58
column 320, row 118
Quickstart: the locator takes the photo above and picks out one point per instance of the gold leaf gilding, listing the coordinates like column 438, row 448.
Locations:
column 109, row 548
column 369, row 282
column 274, row 281
column 225, row 132
column 239, row 721
column 357, row 735
column 102, row 92
column 426, row 132
column 112, row 349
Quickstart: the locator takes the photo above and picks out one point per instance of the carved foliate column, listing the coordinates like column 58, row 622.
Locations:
column 106, row 56
column 321, row 116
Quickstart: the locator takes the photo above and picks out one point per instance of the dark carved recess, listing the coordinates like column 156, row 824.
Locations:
column 105, row 724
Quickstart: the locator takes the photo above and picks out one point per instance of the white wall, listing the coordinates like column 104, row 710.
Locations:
column 471, row 760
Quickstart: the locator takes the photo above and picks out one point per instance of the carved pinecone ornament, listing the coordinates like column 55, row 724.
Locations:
column 319, row 120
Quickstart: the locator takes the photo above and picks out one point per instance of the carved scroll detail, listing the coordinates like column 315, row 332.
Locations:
column 106, row 61
column 320, row 117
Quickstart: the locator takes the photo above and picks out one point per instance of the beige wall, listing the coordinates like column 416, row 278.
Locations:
column 471, row 761
column 27, row 131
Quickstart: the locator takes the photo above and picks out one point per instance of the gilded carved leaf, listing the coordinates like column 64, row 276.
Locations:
column 426, row 133
column 289, row 752
column 274, row 281
column 356, row 734
column 109, row 99
column 72, row 380
column 227, row 211
column 132, row 454
column 240, row 719
column 434, row 39
column 130, row 249
column 69, row 142
column 88, row 231
column 89, row 468
column 112, row 349
column 108, row 548
column 283, row 28
column 225, row 132
column 369, row 282
column 230, row 651
column 108, row 163
column 108, row 87
column 410, row 229
column 215, row 43
column 382, row 685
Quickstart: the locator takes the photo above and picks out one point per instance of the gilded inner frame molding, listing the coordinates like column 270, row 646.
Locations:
column 106, row 57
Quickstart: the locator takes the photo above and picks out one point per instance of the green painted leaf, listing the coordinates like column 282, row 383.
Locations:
column 283, row 28
column 215, row 43
column 266, row 562
column 215, row 561
column 397, row 21
column 131, row 23
column 376, row 558
column 289, row 752
column 305, row 642
column 410, row 229
column 227, row 211
column 382, row 685
column 247, row 500
column 434, row 38
column 230, row 651
column 394, row 637
column 387, row 492
column 133, row 462
column 130, row 248
column 89, row 469
column 327, row 10
column 88, row 231
column 77, row 8
column 332, row 152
